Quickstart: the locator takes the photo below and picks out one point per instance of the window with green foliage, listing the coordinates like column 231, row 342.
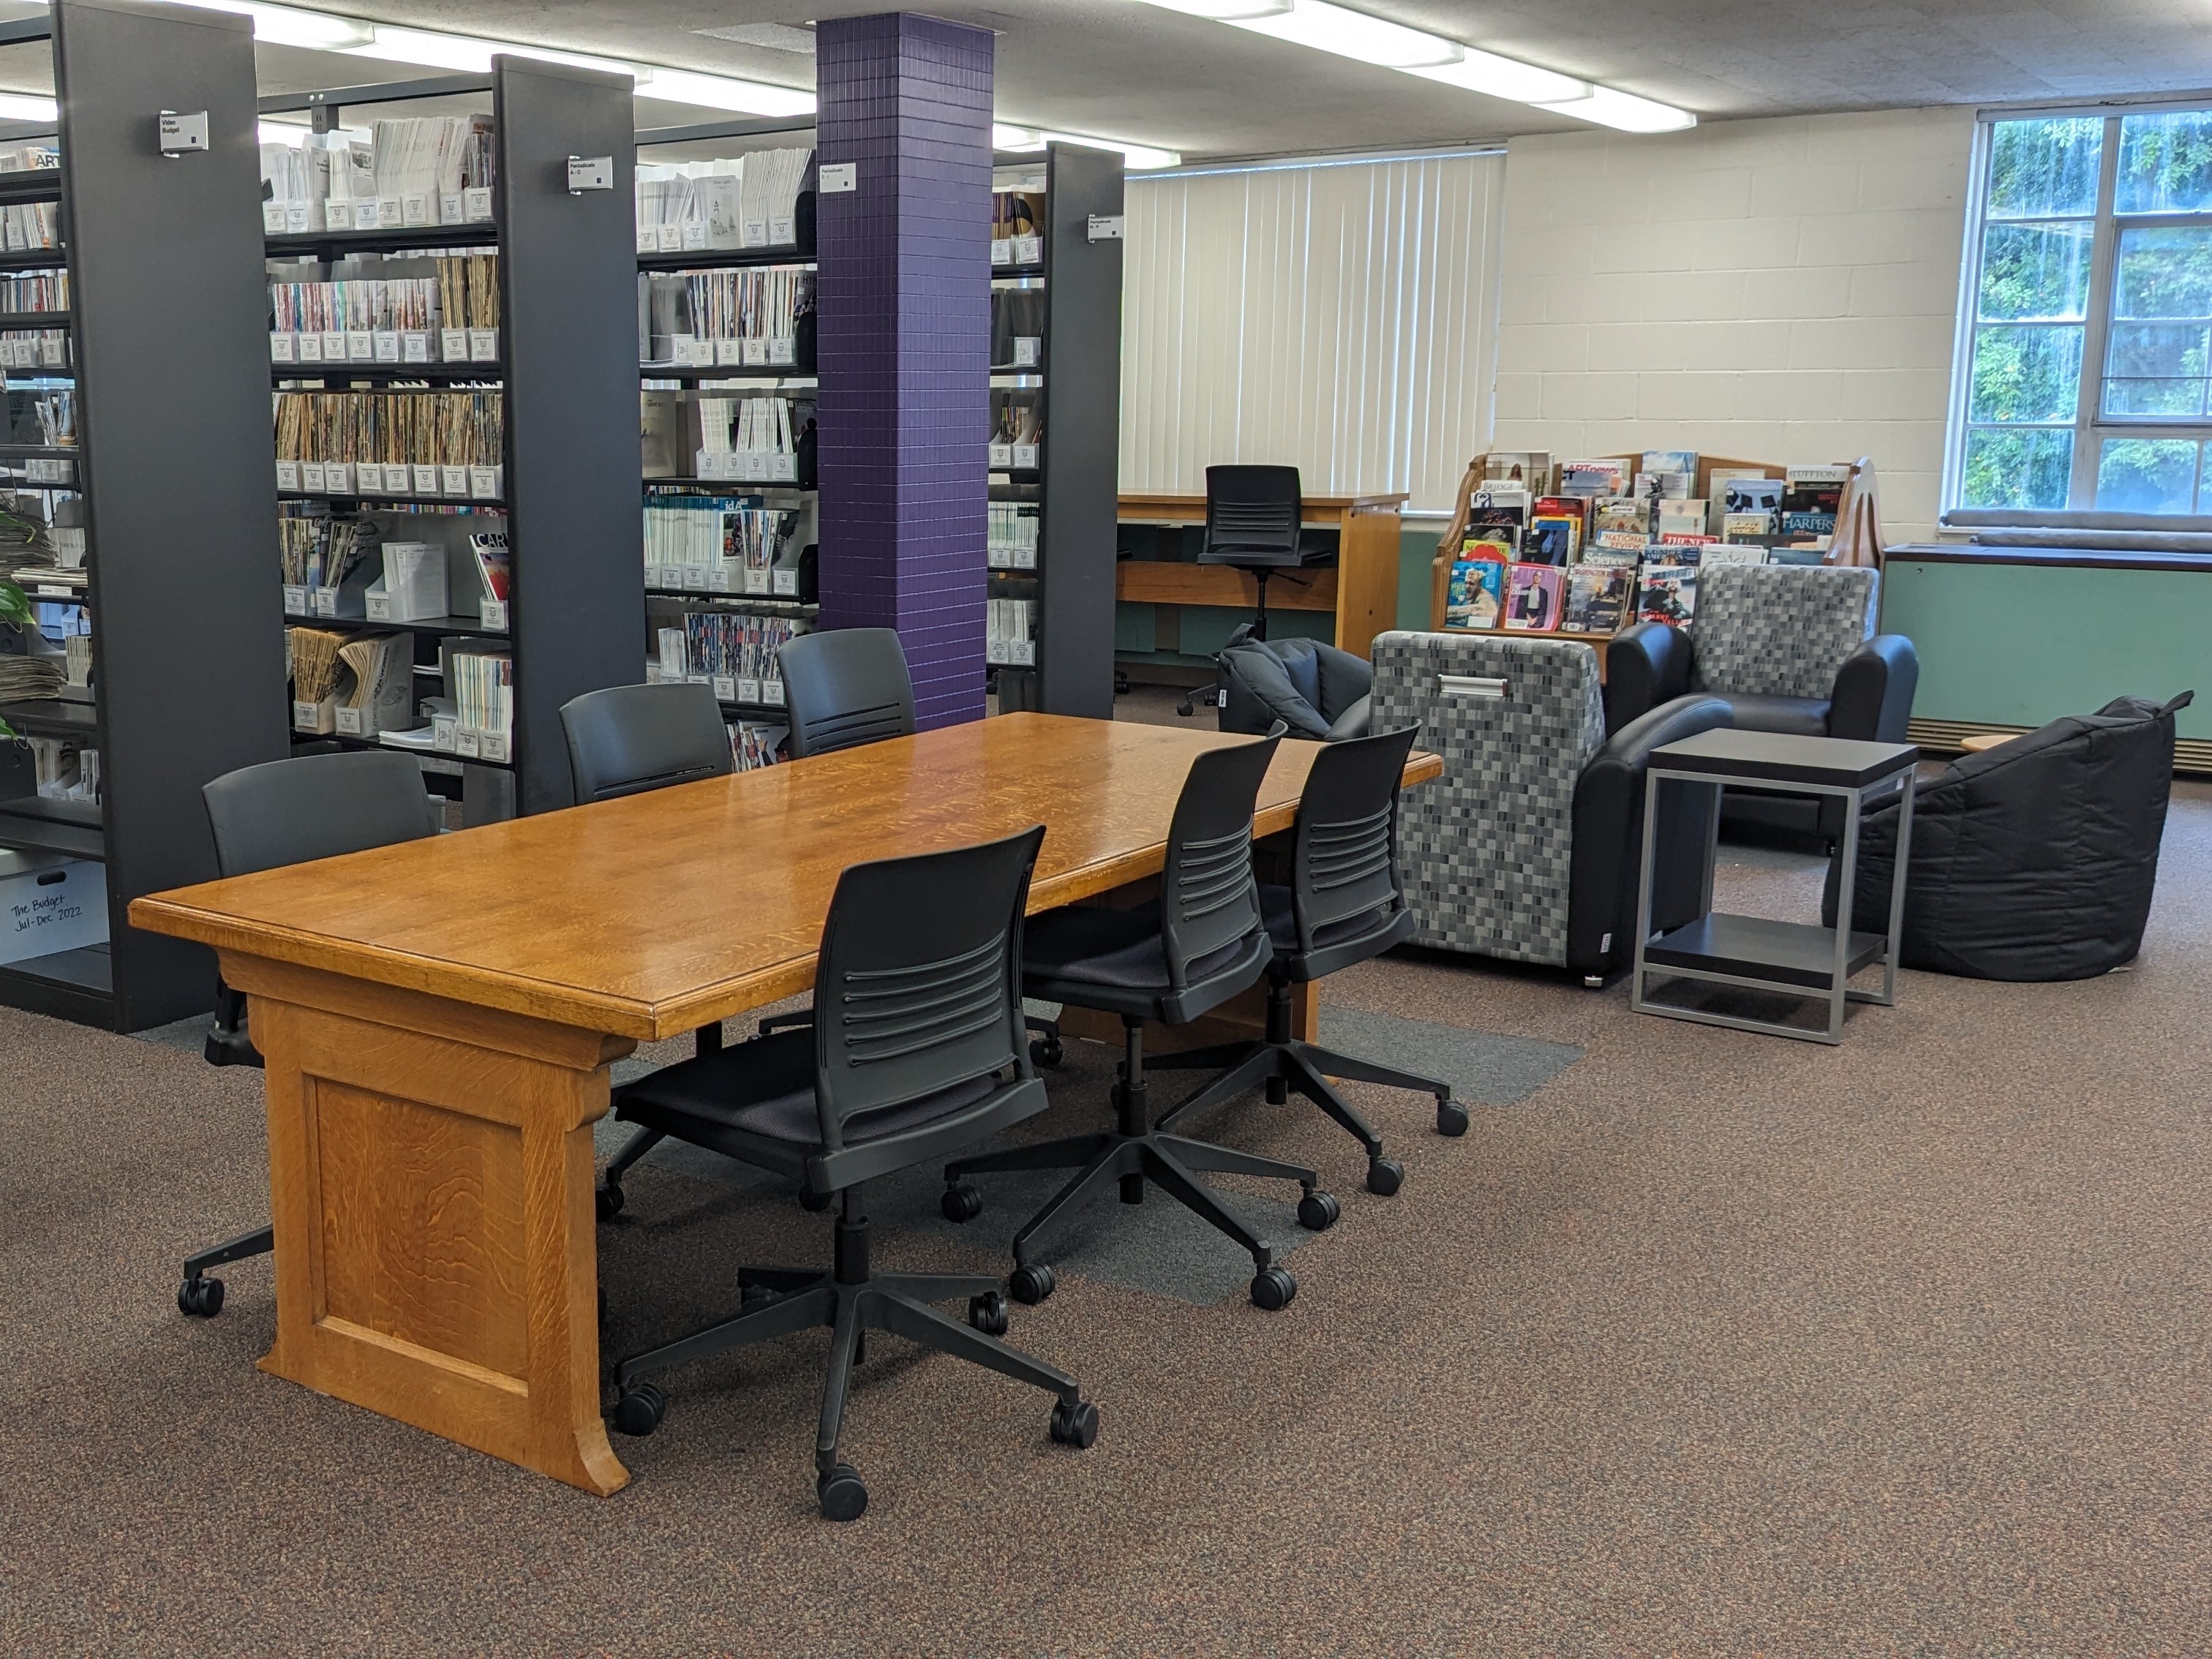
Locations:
column 2089, row 376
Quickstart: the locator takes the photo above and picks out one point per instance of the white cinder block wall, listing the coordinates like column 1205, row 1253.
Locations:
column 1775, row 290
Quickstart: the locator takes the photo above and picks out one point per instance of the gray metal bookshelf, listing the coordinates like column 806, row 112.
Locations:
column 799, row 494
column 1073, row 485
column 172, row 416
column 567, row 297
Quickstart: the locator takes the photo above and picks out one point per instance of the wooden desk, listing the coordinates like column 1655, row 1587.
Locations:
column 439, row 1017
column 1361, row 590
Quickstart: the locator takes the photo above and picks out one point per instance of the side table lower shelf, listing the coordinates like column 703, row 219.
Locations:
column 1752, row 950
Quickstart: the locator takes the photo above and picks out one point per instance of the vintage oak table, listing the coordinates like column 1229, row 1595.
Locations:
column 439, row 1018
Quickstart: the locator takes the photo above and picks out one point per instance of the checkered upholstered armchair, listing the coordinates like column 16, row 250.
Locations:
column 1527, row 847
column 1789, row 648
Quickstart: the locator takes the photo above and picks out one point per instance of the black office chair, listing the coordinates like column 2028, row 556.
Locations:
column 918, row 1052
column 844, row 687
column 1254, row 519
column 1343, row 906
column 1171, row 960
column 847, row 686
column 627, row 739
column 294, row 811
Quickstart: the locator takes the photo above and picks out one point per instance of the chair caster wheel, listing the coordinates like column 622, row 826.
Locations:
column 1317, row 1214
column 1047, row 1051
column 640, row 1409
column 1385, row 1175
column 751, row 1298
column 608, row 1201
column 200, row 1297
column 840, row 1494
column 1451, row 1118
column 1272, row 1288
column 811, row 1200
column 1075, row 1423
column 987, row 1313
column 1032, row 1285
column 962, row 1202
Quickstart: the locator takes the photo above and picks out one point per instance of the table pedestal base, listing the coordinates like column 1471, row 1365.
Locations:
column 430, row 1179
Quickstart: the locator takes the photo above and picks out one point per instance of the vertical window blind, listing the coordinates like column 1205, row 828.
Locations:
column 1339, row 317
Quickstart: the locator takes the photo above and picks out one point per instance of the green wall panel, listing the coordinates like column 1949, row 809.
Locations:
column 2021, row 644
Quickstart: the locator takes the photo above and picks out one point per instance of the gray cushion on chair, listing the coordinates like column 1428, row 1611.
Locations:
column 1308, row 686
column 1779, row 630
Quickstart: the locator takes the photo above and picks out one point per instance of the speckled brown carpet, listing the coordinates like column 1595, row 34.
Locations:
column 1712, row 1343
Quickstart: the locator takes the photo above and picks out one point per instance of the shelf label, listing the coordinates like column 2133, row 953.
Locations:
column 350, row 723
column 755, row 349
column 296, row 600
column 1027, row 352
column 786, row 583
column 1002, row 457
column 338, row 214
column 476, row 204
column 837, row 178
column 467, row 744
column 426, row 480
column 281, row 348
column 323, row 601
column 361, row 346
column 449, row 209
column 388, row 213
column 1002, row 250
column 453, row 345
column 1106, row 227
column 483, row 484
column 590, row 173
column 418, row 208
column 726, row 688
column 1025, row 456
column 310, row 348
column 311, row 476
column 273, row 218
column 670, row 239
column 334, row 345
column 337, row 477
column 367, row 213
column 1029, row 250
column 780, row 350
column 491, row 615
column 386, row 344
column 745, row 691
column 287, row 475
column 453, row 480
column 484, row 345
column 414, row 346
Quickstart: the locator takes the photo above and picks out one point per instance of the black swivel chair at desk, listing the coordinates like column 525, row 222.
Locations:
column 919, row 1055
column 1255, row 521
column 294, row 811
column 625, row 740
column 1344, row 906
column 846, row 687
column 1171, row 960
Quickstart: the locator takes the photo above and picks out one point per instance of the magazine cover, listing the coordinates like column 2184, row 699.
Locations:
column 1552, row 541
column 1668, row 594
column 1597, row 599
column 1532, row 598
column 1476, row 594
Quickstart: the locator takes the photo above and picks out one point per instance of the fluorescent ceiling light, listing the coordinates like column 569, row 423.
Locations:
column 1142, row 157
column 1227, row 11
column 27, row 106
column 289, row 26
column 1005, row 138
column 1327, row 26
column 1624, row 110
column 1502, row 77
column 723, row 92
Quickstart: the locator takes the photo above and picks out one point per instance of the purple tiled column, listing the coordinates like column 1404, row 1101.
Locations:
column 903, row 349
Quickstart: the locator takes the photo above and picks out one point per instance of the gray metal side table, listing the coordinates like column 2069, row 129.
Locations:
column 1798, row 959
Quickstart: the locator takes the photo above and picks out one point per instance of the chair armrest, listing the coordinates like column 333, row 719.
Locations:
column 1873, row 697
column 1609, row 836
column 1645, row 666
column 1352, row 723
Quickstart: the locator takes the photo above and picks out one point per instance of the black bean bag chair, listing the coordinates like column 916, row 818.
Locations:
column 2032, row 861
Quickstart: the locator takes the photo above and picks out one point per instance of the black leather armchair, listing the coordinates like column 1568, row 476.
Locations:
column 1650, row 665
column 1315, row 689
column 1789, row 648
column 1609, row 839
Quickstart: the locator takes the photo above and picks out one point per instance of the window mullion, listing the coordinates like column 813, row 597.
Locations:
column 2096, row 334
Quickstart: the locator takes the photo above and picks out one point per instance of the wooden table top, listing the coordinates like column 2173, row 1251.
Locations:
column 653, row 915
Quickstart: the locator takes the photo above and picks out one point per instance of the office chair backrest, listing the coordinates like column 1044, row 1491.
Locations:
column 918, row 988
column 1208, row 897
column 316, row 806
column 627, row 739
column 1345, row 856
column 845, row 687
column 1253, row 510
